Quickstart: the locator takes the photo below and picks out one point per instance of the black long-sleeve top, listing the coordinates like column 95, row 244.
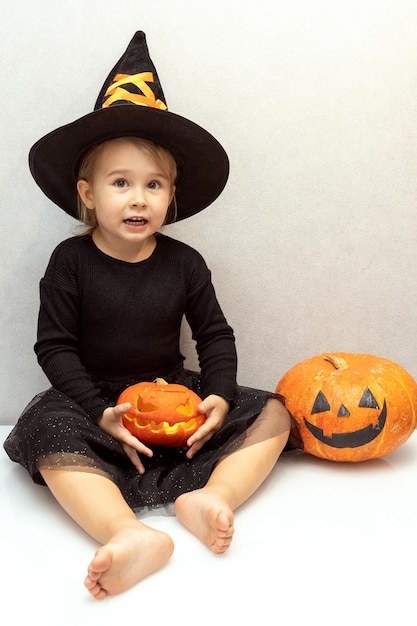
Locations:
column 106, row 323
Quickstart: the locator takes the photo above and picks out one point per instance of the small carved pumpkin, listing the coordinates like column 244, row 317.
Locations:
column 161, row 414
column 350, row 407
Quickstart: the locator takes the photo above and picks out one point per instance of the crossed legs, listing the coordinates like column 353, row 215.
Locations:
column 131, row 550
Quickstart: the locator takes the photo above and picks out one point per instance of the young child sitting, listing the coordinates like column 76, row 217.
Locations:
column 112, row 301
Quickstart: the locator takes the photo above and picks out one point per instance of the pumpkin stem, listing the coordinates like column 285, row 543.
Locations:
column 160, row 381
column 337, row 361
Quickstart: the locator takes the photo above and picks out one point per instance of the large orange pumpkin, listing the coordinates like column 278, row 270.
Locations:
column 161, row 414
column 350, row 407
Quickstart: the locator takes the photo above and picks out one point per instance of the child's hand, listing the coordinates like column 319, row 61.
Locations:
column 111, row 423
column 215, row 408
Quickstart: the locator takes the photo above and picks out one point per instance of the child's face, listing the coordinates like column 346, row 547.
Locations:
column 129, row 192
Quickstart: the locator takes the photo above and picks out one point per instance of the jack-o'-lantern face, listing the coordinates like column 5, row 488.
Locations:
column 350, row 407
column 161, row 414
column 368, row 423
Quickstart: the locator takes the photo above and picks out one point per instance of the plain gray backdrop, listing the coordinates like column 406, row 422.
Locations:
column 312, row 245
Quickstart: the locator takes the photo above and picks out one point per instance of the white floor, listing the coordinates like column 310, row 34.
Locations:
column 320, row 543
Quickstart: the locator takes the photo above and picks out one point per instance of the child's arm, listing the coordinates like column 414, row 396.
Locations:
column 214, row 337
column 215, row 408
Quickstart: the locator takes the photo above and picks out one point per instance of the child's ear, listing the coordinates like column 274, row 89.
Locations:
column 85, row 193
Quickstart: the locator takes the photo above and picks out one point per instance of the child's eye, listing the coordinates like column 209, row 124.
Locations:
column 154, row 184
column 120, row 182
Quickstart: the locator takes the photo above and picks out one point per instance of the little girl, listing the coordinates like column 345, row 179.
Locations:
column 112, row 304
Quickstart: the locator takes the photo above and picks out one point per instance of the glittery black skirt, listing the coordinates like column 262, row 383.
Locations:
column 54, row 432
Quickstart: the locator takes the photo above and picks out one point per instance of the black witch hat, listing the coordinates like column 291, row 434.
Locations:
column 132, row 103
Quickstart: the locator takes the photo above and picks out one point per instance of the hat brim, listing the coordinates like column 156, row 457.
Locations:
column 203, row 165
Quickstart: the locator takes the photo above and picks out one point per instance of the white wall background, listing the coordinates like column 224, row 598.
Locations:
column 313, row 244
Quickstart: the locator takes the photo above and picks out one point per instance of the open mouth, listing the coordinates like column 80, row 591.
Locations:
column 135, row 221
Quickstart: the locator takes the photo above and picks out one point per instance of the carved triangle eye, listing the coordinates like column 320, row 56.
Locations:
column 321, row 404
column 343, row 411
column 368, row 400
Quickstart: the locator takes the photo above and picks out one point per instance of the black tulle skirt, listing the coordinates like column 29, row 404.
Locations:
column 55, row 432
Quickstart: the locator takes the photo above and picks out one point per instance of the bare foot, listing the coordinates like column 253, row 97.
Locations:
column 208, row 516
column 130, row 555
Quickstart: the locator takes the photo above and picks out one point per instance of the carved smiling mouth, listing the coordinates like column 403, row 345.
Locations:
column 353, row 439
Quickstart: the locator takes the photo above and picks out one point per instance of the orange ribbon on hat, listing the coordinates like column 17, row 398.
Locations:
column 117, row 92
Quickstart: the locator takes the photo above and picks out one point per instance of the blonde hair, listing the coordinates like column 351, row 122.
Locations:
column 162, row 157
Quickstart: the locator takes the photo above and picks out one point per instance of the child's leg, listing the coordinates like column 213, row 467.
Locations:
column 130, row 550
column 208, row 512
